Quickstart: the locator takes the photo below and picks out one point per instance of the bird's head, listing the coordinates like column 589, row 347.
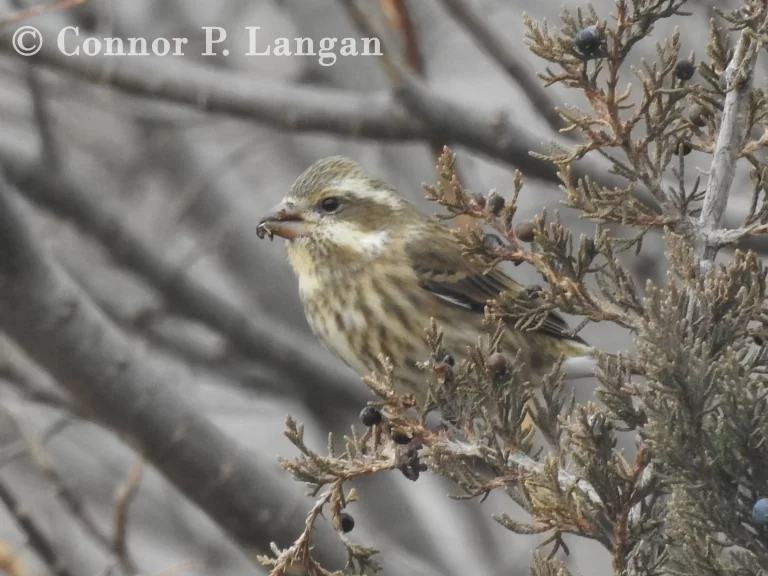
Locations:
column 336, row 207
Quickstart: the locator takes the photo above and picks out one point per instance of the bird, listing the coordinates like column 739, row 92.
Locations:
column 373, row 270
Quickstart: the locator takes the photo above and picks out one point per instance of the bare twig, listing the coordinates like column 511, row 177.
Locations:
column 494, row 45
column 37, row 537
column 730, row 138
column 516, row 459
column 11, row 562
column 123, row 498
column 27, row 386
column 400, row 19
column 73, row 502
column 299, row 552
column 39, row 9
column 16, row 450
column 49, row 151
column 723, row 237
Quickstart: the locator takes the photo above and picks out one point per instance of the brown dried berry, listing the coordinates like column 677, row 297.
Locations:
column 497, row 363
column 525, row 231
column 686, row 148
column 684, row 69
column 698, row 115
column 346, row 522
column 495, row 203
column 400, row 437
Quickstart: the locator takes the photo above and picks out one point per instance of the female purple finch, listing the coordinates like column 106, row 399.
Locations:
column 373, row 270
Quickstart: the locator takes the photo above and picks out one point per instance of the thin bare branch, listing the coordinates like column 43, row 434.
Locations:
column 19, row 449
column 125, row 495
column 400, row 18
column 27, row 13
column 493, row 43
column 73, row 502
column 37, row 537
column 730, row 138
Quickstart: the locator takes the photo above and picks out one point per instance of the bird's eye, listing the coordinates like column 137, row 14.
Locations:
column 330, row 204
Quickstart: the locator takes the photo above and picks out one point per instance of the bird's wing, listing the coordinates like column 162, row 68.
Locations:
column 444, row 271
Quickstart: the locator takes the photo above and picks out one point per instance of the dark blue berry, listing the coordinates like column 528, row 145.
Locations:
column 495, row 203
column 347, row 522
column 493, row 241
column 589, row 42
column 760, row 512
column 370, row 416
column 684, row 69
column 400, row 437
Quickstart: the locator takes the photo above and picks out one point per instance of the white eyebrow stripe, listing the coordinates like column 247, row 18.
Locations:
column 361, row 189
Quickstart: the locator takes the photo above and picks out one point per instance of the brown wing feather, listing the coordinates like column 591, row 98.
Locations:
column 443, row 270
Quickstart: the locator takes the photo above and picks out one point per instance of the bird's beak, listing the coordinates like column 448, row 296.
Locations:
column 284, row 221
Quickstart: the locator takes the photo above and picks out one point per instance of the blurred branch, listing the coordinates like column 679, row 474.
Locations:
column 303, row 109
column 187, row 158
column 37, row 538
column 27, row 386
column 377, row 116
column 400, row 19
column 11, row 562
column 238, row 372
column 49, row 155
column 69, row 336
column 18, row 449
column 451, row 122
column 73, row 502
column 59, row 194
column 26, row 13
column 126, row 494
column 495, row 46
column 282, row 106
column 48, row 148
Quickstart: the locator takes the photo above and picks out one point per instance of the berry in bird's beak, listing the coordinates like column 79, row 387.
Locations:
column 284, row 221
